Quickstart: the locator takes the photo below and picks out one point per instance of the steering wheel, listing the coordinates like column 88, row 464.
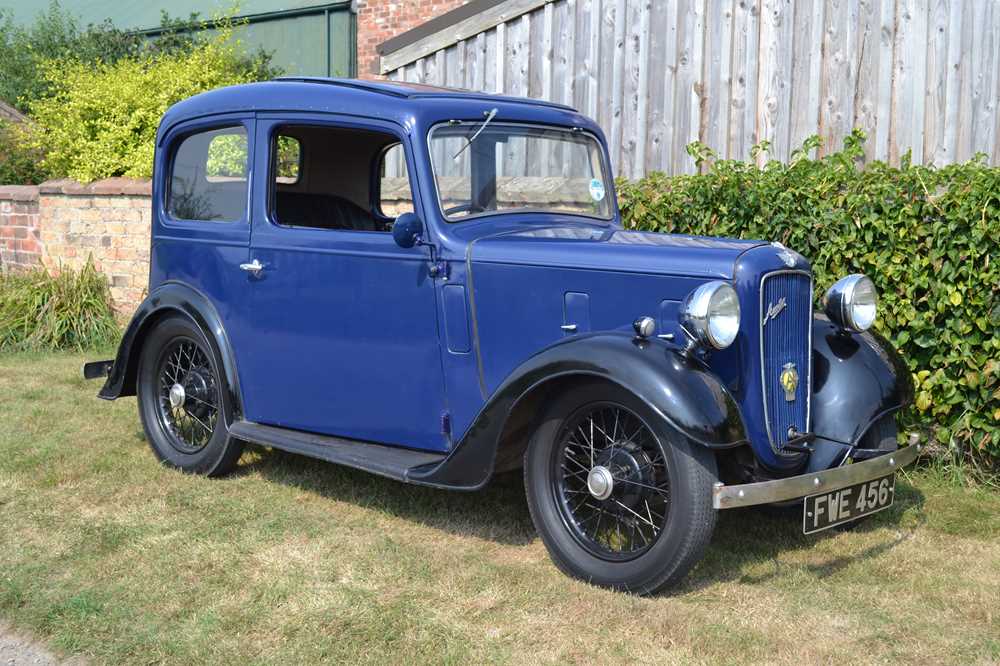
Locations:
column 464, row 208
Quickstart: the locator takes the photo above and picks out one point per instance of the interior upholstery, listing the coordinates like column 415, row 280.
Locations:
column 323, row 211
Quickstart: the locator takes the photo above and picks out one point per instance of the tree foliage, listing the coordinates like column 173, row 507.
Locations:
column 55, row 35
column 99, row 119
column 91, row 92
column 20, row 164
column 929, row 238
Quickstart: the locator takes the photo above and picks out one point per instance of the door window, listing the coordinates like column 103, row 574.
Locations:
column 395, row 197
column 208, row 177
column 326, row 177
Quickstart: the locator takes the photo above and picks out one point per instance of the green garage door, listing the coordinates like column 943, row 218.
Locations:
column 306, row 38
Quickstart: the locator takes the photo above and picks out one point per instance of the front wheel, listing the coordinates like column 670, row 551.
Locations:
column 618, row 498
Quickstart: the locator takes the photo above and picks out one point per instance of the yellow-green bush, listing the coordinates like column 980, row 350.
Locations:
column 20, row 162
column 100, row 120
column 929, row 238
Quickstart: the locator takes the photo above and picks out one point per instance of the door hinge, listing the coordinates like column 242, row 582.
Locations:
column 446, row 424
column 438, row 269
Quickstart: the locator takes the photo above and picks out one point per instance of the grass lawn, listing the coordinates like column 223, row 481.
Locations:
column 107, row 554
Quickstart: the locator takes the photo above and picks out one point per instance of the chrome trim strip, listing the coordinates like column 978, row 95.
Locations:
column 763, row 376
column 475, row 319
column 781, row 490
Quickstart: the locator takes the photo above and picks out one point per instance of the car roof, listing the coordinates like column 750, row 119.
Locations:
column 406, row 104
column 410, row 90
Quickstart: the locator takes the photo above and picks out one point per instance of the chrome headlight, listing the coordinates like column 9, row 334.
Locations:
column 852, row 303
column 711, row 313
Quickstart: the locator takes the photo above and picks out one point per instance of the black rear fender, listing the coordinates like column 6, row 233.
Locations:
column 173, row 298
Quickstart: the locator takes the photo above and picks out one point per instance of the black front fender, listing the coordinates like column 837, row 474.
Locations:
column 682, row 391
column 857, row 379
column 181, row 299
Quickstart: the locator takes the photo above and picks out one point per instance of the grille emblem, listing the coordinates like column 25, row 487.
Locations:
column 789, row 381
column 774, row 309
column 784, row 254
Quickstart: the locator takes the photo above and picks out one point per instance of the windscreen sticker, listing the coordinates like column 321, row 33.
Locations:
column 596, row 189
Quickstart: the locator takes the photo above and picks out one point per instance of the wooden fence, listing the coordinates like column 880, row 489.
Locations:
column 918, row 76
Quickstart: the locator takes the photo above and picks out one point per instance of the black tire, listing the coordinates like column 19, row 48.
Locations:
column 191, row 435
column 680, row 482
column 882, row 435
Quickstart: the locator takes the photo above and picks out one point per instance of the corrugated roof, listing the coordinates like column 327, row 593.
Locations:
column 7, row 112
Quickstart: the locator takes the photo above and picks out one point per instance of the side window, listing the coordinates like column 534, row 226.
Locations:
column 395, row 197
column 322, row 178
column 208, row 178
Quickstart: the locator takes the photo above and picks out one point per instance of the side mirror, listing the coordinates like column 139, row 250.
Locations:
column 407, row 229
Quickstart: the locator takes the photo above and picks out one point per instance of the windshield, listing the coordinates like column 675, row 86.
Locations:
column 517, row 168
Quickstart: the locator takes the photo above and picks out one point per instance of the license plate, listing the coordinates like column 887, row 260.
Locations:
column 841, row 506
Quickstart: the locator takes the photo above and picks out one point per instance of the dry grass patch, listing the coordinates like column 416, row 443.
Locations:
column 107, row 554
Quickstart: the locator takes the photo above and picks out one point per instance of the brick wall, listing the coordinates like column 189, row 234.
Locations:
column 379, row 20
column 20, row 247
column 62, row 223
column 108, row 220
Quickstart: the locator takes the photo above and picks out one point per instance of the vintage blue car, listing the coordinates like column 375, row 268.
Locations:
column 435, row 286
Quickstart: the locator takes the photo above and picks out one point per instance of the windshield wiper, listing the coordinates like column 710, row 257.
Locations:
column 489, row 117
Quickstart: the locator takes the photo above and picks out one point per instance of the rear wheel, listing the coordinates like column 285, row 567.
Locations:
column 182, row 400
column 618, row 498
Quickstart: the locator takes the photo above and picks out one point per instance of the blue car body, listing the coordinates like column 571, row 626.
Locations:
column 448, row 348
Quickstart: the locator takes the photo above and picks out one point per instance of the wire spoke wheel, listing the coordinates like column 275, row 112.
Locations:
column 611, row 481
column 187, row 395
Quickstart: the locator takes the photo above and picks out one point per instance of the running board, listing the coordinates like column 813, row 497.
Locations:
column 390, row 461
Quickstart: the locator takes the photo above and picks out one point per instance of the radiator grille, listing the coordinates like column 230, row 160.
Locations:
column 786, row 339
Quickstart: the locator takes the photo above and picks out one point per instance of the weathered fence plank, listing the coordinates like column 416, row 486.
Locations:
column 915, row 75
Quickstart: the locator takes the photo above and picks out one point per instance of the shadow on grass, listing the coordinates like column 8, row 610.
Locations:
column 743, row 537
column 498, row 513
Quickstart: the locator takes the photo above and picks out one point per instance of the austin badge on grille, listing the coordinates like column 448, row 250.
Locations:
column 789, row 381
column 773, row 310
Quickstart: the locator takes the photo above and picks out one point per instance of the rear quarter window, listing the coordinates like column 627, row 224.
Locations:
column 208, row 176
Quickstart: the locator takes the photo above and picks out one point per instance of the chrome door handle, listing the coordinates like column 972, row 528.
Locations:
column 254, row 267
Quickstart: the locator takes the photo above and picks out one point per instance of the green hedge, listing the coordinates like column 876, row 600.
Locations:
column 929, row 238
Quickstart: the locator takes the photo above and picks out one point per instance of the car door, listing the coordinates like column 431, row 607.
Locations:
column 345, row 324
column 201, row 215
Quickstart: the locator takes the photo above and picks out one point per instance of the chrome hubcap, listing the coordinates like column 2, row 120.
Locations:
column 611, row 481
column 188, row 395
column 600, row 483
column 176, row 396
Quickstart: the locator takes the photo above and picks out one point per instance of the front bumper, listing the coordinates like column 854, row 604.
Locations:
column 782, row 490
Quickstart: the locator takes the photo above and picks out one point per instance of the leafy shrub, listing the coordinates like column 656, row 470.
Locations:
column 929, row 238
column 55, row 34
column 20, row 161
column 71, row 310
column 99, row 119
